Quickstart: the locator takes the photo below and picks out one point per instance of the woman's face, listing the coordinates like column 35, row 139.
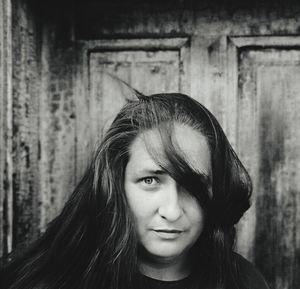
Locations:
column 169, row 220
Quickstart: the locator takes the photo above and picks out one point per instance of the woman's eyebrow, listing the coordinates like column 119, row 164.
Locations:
column 151, row 172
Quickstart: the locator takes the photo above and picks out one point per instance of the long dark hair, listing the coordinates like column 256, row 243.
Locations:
column 92, row 243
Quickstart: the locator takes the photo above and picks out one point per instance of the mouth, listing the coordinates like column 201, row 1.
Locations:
column 168, row 234
column 170, row 231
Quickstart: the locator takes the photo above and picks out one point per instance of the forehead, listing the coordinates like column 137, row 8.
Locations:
column 191, row 144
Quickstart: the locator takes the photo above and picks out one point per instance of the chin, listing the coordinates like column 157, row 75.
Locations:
column 165, row 252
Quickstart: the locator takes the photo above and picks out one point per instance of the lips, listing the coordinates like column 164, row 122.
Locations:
column 171, row 231
column 168, row 234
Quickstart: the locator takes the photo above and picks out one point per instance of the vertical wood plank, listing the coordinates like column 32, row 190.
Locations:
column 217, row 78
column 46, row 211
column 57, row 116
column 232, row 92
column 200, row 69
column 246, row 111
column 6, row 194
column 208, row 68
column 82, row 104
column 185, row 68
column 25, row 123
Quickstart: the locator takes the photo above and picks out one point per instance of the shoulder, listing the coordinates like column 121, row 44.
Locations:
column 249, row 274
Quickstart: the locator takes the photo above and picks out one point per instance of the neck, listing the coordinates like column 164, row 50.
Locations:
column 165, row 269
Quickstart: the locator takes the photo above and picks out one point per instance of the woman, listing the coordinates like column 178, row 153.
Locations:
column 155, row 209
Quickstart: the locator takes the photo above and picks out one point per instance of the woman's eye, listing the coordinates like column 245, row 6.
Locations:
column 149, row 180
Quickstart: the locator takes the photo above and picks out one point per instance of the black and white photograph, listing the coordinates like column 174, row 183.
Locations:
column 149, row 144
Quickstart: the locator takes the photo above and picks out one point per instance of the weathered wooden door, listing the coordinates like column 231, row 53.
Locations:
column 268, row 136
column 64, row 94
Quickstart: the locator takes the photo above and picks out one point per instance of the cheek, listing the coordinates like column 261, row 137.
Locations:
column 139, row 205
column 196, row 216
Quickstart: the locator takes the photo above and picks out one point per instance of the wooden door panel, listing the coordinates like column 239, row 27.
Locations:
column 269, row 142
column 148, row 65
column 148, row 72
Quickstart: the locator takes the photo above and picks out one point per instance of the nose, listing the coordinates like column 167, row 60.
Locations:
column 170, row 204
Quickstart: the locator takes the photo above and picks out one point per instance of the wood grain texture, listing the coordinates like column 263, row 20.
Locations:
column 94, row 22
column 160, row 69
column 267, row 129
column 57, row 117
column 25, row 124
column 6, row 194
column 278, row 84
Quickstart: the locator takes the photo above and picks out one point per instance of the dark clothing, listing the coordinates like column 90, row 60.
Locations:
column 150, row 283
column 250, row 276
